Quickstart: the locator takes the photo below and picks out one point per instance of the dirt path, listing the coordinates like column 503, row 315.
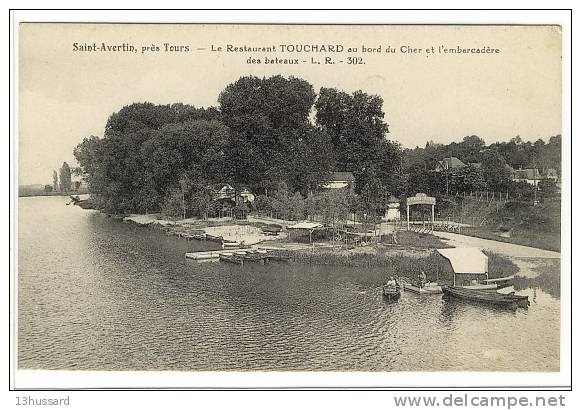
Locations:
column 503, row 248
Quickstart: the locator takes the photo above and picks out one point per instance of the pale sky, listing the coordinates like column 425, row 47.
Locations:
column 65, row 95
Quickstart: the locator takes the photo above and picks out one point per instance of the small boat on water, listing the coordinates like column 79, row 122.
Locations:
column 429, row 288
column 509, row 300
column 481, row 286
column 392, row 293
column 254, row 257
column 280, row 258
column 231, row 244
column 213, row 238
column 232, row 259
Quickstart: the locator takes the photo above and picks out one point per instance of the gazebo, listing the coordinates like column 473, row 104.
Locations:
column 309, row 227
column 420, row 199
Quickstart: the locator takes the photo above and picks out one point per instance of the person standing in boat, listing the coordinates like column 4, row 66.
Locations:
column 391, row 283
column 422, row 279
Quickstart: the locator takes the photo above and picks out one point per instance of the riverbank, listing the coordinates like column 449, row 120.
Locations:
column 409, row 255
column 400, row 262
column 521, row 223
column 227, row 229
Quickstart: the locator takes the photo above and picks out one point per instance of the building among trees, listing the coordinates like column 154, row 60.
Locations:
column 449, row 164
column 340, row 180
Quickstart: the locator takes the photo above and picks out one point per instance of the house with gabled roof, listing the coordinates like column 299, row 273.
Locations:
column 340, row 180
column 451, row 163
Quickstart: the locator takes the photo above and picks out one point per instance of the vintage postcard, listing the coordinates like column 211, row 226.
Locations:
column 289, row 198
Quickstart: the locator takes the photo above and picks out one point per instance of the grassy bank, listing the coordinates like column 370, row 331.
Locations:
column 550, row 241
column 521, row 223
column 398, row 263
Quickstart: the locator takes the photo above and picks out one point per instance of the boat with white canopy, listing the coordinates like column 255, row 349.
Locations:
column 470, row 266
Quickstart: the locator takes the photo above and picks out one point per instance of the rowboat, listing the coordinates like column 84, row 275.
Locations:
column 280, row 258
column 480, row 286
column 510, row 300
column 230, row 244
column 391, row 293
column 231, row 259
column 254, row 257
column 430, row 288
column 206, row 255
column 213, row 238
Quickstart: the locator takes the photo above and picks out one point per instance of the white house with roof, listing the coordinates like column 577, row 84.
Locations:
column 228, row 192
column 533, row 176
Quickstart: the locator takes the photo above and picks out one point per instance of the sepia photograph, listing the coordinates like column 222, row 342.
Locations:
column 289, row 198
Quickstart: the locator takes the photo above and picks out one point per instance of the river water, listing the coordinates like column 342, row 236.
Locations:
column 98, row 294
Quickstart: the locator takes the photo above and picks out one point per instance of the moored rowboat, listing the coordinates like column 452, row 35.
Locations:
column 231, row 259
column 430, row 288
column 481, row 286
column 280, row 258
column 254, row 257
column 231, row 244
column 213, row 238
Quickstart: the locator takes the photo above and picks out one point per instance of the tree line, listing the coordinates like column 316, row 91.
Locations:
column 488, row 168
column 264, row 132
column 275, row 136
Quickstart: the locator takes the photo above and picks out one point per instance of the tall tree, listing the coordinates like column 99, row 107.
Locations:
column 270, row 122
column 65, row 178
column 356, row 126
column 55, row 181
column 495, row 171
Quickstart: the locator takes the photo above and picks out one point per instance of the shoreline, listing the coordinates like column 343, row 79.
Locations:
column 402, row 259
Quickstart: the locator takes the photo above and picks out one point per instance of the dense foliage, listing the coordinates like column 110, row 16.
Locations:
column 487, row 167
column 281, row 140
